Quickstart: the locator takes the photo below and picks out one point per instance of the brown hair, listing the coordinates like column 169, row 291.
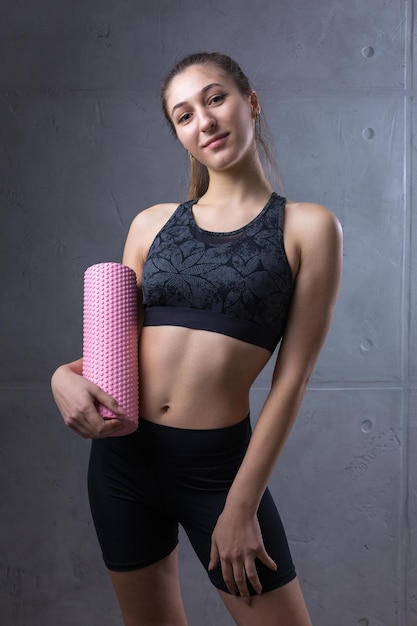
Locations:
column 199, row 174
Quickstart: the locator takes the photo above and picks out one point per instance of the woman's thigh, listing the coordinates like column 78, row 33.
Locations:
column 133, row 527
column 151, row 596
column 284, row 606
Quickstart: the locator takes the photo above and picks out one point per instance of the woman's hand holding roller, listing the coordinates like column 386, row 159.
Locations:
column 77, row 397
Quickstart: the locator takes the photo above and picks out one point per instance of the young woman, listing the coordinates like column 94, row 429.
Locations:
column 222, row 278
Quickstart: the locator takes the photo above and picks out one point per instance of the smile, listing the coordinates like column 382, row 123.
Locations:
column 217, row 141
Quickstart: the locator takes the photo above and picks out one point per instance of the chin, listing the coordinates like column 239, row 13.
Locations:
column 224, row 162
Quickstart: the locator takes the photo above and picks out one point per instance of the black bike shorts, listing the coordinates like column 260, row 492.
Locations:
column 143, row 485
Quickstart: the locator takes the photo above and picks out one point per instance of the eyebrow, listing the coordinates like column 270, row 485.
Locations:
column 202, row 92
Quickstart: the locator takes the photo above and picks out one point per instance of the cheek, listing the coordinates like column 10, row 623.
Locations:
column 246, row 130
column 185, row 136
column 245, row 121
column 181, row 139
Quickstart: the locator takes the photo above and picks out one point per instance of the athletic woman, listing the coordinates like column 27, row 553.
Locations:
column 223, row 279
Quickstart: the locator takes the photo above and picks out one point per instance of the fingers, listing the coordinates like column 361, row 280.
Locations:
column 108, row 401
column 239, row 571
column 78, row 406
column 90, row 425
column 237, row 543
column 226, row 567
column 267, row 561
column 214, row 556
column 252, row 574
column 234, row 578
column 108, row 426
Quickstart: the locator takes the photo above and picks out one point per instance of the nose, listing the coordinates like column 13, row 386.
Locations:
column 207, row 120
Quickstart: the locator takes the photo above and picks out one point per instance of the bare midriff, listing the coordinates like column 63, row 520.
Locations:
column 194, row 378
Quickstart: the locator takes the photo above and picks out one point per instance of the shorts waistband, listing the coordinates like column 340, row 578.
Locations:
column 183, row 447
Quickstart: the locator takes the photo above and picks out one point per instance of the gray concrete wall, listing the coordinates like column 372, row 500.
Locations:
column 83, row 148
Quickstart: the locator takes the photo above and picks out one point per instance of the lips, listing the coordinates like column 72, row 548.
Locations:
column 216, row 141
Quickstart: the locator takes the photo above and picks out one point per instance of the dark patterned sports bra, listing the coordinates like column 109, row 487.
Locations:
column 237, row 283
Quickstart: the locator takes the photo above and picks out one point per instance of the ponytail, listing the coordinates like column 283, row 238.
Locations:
column 199, row 180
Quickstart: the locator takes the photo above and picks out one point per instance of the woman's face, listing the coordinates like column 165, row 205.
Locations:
column 213, row 120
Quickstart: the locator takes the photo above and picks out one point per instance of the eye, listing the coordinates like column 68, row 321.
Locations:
column 183, row 118
column 217, row 99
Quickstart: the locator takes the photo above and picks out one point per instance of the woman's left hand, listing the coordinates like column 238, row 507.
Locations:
column 235, row 543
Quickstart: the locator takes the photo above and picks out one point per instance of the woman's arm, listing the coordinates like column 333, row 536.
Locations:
column 237, row 540
column 77, row 397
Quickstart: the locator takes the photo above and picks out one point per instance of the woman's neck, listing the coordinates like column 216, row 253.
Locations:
column 237, row 187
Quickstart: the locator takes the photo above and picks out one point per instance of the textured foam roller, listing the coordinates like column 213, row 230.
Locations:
column 110, row 337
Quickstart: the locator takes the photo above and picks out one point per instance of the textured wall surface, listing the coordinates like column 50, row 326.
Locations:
column 83, row 148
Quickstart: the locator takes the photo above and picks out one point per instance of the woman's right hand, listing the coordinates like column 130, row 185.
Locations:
column 76, row 398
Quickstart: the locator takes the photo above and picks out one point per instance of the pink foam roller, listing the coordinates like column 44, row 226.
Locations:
column 110, row 337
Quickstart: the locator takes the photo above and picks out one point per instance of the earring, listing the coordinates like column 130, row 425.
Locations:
column 190, row 155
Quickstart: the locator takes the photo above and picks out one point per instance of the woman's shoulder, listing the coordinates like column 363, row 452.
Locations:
column 155, row 214
column 310, row 217
column 311, row 229
column 150, row 220
column 309, row 210
column 143, row 230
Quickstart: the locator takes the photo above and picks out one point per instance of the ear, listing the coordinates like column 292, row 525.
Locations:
column 255, row 105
